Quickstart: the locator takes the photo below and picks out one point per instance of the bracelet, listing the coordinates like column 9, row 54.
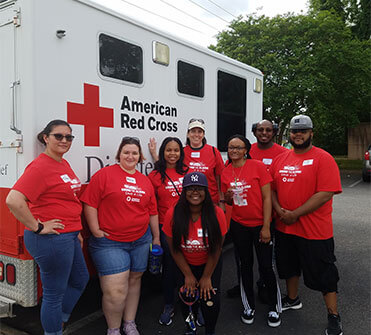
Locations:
column 40, row 228
column 223, row 201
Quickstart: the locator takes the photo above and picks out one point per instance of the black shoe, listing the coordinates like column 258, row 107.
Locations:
column 334, row 325
column 288, row 303
column 234, row 292
column 274, row 319
column 247, row 316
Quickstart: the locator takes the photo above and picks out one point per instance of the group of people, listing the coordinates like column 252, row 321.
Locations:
column 181, row 206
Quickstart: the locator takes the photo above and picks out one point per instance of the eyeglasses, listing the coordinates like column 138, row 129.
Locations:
column 60, row 137
column 303, row 131
column 196, row 120
column 268, row 130
column 236, row 148
column 191, row 189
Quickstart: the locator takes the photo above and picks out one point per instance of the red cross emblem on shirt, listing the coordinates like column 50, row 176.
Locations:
column 90, row 115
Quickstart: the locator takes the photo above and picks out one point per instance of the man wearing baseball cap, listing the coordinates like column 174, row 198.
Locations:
column 304, row 181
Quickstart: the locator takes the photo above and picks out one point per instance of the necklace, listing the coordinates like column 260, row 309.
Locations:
column 237, row 176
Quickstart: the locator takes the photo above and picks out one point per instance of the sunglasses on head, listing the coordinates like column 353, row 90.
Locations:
column 303, row 131
column 60, row 137
column 128, row 138
column 196, row 120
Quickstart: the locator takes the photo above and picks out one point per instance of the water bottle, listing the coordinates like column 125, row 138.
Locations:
column 155, row 258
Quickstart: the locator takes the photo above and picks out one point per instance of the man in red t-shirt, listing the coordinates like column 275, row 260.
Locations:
column 304, row 181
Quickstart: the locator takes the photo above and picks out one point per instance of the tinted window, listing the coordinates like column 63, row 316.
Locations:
column 231, row 107
column 120, row 60
column 190, row 79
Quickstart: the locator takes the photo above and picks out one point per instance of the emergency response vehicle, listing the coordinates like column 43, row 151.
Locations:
column 109, row 76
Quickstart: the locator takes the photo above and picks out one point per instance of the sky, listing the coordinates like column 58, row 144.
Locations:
column 199, row 21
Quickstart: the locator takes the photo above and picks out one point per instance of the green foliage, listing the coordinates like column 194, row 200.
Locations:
column 311, row 65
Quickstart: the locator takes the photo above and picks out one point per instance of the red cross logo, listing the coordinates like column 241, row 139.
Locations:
column 90, row 115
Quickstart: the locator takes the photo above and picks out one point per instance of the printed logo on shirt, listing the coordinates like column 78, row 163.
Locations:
column 170, row 187
column 133, row 193
column 308, row 162
column 131, row 180
column 198, row 166
column 288, row 173
column 195, row 154
column 75, row 183
column 194, row 245
column 267, row 161
column 240, row 189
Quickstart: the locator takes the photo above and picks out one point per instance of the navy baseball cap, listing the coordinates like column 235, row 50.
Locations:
column 194, row 178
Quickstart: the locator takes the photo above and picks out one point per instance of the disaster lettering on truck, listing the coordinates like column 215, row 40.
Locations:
column 109, row 76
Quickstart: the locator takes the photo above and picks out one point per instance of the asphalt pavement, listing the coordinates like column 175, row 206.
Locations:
column 352, row 227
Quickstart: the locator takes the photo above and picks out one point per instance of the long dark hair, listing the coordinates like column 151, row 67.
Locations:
column 245, row 141
column 209, row 221
column 160, row 165
column 49, row 127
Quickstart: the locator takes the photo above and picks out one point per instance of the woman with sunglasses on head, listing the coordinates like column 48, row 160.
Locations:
column 166, row 179
column 121, row 211
column 246, row 186
column 195, row 230
column 45, row 200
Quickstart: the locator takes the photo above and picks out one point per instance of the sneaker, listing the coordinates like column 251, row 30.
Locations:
column 274, row 319
column 200, row 318
column 189, row 331
column 113, row 331
column 130, row 328
column 288, row 303
column 234, row 292
column 334, row 325
column 247, row 316
column 166, row 316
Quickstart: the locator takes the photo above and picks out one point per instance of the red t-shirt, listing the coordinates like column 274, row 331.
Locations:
column 166, row 193
column 52, row 190
column 207, row 160
column 124, row 202
column 248, row 180
column 296, row 177
column 194, row 250
column 266, row 156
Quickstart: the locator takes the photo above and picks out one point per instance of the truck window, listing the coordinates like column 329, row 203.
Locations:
column 231, row 107
column 190, row 79
column 120, row 60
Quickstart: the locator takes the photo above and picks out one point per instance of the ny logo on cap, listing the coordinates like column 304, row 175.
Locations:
column 297, row 121
column 194, row 178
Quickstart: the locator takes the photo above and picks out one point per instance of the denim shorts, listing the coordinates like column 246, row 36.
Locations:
column 111, row 257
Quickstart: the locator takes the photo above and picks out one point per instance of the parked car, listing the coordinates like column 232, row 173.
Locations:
column 366, row 171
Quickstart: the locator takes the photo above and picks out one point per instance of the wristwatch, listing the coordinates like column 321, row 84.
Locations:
column 40, row 228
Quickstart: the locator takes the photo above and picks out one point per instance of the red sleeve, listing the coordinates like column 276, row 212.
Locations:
column 153, row 203
column 31, row 184
column 93, row 193
column 220, row 215
column 223, row 180
column 265, row 176
column 328, row 176
column 167, row 227
column 219, row 164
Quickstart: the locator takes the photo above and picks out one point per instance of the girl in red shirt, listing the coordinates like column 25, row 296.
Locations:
column 195, row 230
column 246, row 186
column 121, row 210
column 167, row 178
column 45, row 200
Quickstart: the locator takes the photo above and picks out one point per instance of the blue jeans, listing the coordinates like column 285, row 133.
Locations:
column 64, row 275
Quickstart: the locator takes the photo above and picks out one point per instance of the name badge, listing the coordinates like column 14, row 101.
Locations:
column 65, row 178
column 267, row 161
column 195, row 154
column 131, row 180
column 199, row 232
column 308, row 162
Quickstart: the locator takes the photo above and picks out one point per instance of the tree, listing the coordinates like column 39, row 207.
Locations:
column 311, row 65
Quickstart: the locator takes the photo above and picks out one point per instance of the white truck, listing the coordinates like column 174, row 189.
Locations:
column 109, row 76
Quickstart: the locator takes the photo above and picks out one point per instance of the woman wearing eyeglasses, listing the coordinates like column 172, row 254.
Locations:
column 121, row 211
column 246, row 186
column 195, row 230
column 45, row 200
column 166, row 179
